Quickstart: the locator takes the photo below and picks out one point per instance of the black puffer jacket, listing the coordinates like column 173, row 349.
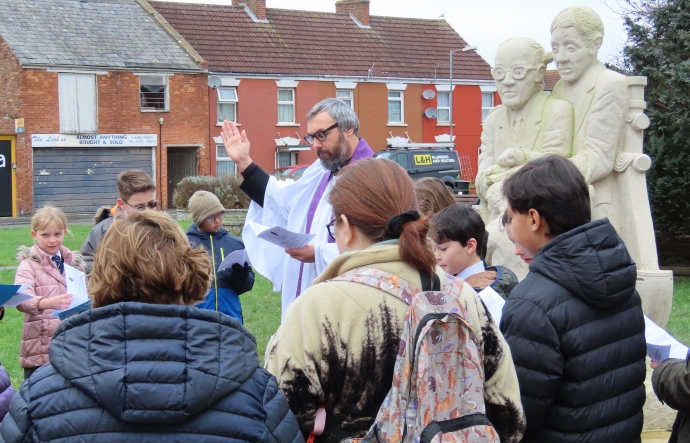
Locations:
column 576, row 331
column 134, row 372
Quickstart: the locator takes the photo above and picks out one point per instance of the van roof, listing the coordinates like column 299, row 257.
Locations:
column 432, row 146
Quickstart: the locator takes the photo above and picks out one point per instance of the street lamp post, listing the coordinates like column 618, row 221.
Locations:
column 450, row 93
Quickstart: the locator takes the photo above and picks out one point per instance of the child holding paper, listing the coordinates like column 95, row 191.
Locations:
column 459, row 237
column 574, row 324
column 42, row 268
column 207, row 231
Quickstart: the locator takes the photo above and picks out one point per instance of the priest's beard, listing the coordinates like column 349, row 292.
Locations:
column 335, row 160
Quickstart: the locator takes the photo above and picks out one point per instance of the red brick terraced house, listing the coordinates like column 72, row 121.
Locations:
column 88, row 89
column 268, row 67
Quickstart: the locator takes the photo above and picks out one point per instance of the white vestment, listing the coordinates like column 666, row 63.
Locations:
column 286, row 204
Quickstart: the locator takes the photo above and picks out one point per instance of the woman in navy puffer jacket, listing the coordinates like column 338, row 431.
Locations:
column 145, row 365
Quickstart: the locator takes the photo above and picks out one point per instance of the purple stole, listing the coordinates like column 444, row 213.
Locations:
column 362, row 151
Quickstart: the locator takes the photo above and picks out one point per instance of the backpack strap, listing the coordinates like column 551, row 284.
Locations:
column 427, row 284
column 383, row 281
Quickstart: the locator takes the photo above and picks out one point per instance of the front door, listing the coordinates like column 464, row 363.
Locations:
column 182, row 162
column 5, row 178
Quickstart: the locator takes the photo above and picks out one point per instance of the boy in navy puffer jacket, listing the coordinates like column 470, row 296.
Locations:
column 207, row 231
column 574, row 324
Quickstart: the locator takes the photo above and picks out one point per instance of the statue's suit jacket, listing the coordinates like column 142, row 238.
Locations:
column 599, row 120
column 548, row 125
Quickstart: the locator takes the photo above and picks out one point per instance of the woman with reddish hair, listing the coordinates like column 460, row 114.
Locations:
column 337, row 344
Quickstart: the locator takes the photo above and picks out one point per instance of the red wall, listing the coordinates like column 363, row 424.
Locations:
column 467, row 116
column 257, row 114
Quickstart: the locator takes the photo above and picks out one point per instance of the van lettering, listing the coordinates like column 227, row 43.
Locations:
column 422, row 159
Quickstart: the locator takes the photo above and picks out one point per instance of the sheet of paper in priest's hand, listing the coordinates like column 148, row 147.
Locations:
column 76, row 285
column 494, row 303
column 12, row 295
column 660, row 344
column 239, row 256
column 281, row 236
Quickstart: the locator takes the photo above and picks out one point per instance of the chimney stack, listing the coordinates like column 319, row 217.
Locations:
column 358, row 8
column 258, row 7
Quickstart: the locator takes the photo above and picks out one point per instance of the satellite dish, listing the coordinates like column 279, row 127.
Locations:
column 214, row 81
column 431, row 112
column 428, row 93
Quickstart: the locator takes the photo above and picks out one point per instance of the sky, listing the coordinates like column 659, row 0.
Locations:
column 484, row 24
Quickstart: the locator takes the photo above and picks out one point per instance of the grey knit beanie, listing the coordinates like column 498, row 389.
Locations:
column 204, row 204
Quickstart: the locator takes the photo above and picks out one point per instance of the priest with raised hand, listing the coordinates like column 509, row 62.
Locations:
column 301, row 206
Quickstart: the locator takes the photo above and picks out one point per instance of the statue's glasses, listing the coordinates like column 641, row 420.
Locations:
column 517, row 72
column 319, row 135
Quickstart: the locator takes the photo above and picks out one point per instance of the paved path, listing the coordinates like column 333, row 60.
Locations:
column 655, row 437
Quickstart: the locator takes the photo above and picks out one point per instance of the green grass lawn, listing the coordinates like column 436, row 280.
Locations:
column 679, row 323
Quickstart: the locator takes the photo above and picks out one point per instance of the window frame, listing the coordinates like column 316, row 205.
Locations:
column 166, row 93
column 485, row 110
column 220, row 102
column 400, row 99
column 292, row 161
column 439, row 107
column 350, row 98
column 287, row 103
column 224, row 159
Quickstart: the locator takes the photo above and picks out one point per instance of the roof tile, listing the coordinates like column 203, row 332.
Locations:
column 320, row 43
column 88, row 33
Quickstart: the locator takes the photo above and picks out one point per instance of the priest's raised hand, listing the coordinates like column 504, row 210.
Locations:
column 236, row 145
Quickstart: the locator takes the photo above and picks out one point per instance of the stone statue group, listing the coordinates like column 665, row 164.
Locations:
column 594, row 117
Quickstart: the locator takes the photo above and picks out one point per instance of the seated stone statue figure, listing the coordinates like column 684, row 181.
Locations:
column 607, row 146
column 529, row 123
column 599, row 97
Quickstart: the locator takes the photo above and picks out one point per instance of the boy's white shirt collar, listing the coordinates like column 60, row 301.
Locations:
column 470, row 271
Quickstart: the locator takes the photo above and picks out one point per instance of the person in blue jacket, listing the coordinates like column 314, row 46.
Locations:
column 208, row 231
column 6, row 389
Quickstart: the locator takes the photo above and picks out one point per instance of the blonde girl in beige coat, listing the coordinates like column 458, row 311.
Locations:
column 46, row 279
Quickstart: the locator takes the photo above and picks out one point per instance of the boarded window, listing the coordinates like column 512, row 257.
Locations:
column 77, row 102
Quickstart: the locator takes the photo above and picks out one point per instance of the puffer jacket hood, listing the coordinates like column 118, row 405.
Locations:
column 592, row 263
column 154, row 364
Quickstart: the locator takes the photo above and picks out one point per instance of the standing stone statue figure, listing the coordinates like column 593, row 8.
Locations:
column 607, row 146
column 528, row 124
